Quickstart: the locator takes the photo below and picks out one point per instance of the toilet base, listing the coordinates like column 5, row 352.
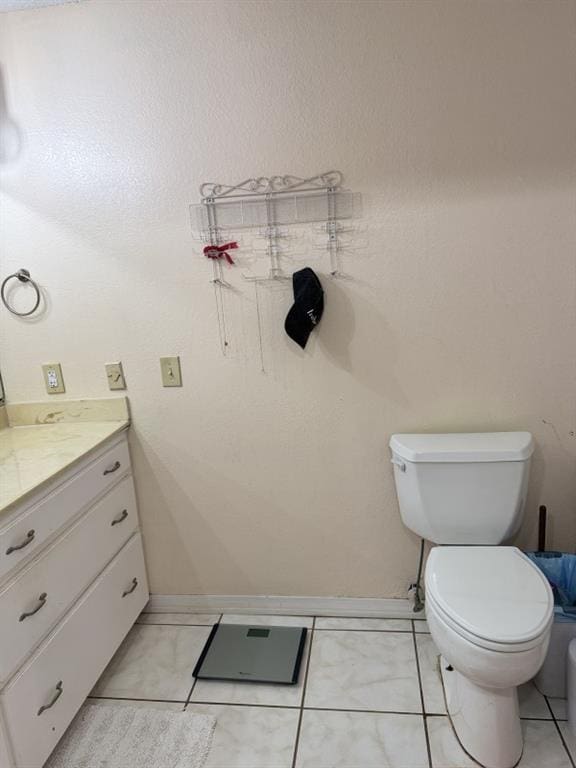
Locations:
column 486, row 720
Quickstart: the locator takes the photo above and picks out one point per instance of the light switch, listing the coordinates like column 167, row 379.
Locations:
column 170, row 368
column 53, row 378
column 115, row 376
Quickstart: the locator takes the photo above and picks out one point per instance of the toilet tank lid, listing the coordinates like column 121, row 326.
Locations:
column 464, row 447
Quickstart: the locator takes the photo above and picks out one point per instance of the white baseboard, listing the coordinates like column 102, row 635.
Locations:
column 292, row 606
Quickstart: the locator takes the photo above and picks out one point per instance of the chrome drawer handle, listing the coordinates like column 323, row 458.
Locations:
column 116, row 466
column 59, row 692
column 120, row 519
column 132, row 588
column 28, row 540
column 41, row 603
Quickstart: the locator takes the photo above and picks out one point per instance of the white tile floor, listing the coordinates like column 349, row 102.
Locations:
column 369, row 696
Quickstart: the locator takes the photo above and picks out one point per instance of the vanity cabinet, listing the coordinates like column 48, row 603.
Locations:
column 72, row 583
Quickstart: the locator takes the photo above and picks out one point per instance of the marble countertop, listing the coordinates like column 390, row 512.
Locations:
column 36, row 453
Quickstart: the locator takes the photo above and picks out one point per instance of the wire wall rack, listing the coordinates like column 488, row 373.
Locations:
column 269, row 204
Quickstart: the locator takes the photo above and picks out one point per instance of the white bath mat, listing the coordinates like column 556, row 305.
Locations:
column 134, row 737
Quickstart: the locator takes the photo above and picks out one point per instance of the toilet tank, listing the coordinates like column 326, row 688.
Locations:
column 462, row 488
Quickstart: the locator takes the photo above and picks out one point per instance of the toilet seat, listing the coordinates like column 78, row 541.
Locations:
column 495, row 597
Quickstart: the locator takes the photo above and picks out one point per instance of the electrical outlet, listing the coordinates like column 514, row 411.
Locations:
column 53, row 379
column 170, row 369
column 115, row 376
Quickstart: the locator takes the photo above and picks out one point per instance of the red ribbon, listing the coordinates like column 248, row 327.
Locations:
column 220, row 251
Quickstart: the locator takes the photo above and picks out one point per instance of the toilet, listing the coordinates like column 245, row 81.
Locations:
column 489, row 608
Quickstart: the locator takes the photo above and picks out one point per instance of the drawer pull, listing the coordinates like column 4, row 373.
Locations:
column 41, row 603
column 120, row 519
column 28, row 540
column 59, row 692
column 114, row 468
column 132, row 588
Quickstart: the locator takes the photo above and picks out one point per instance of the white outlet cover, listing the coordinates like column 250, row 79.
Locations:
column 53, row 379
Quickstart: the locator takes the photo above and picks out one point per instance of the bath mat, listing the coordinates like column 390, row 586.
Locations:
column 134, row 737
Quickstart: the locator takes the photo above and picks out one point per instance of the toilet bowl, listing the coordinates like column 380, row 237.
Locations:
column 490, row 614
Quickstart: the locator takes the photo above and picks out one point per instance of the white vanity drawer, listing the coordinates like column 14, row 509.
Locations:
column 40, row 702
column 29, row 531
column 40, row 594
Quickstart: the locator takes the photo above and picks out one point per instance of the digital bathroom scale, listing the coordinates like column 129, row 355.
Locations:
column 258, row 654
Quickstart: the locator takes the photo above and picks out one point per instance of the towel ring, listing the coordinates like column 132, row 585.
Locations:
column 23, row 275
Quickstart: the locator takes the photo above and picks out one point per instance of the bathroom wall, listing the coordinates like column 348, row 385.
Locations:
column 454, row 119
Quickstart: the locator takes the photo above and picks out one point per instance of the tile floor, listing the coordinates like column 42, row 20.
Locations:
column 369, row 696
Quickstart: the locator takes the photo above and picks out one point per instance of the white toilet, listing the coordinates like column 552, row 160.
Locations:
column 489, row 608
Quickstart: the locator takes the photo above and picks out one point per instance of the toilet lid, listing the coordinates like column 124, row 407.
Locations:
column 494, row 593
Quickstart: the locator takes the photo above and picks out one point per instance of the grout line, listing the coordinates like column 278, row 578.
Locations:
column 171, row 624
column 241, row 704
column 190, row 693
column 366, row 711
column 134, row 698
column 558, row 719
column 539, row 719
column 424, row 720
column 181, row 613
column 284, row 706
column 383, row 631
column 299, row 726
column 564, row 744
column 560, row 732
column 194, row 681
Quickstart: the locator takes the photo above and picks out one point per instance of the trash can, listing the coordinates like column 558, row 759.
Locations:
column 571, row 682
column 560, row 570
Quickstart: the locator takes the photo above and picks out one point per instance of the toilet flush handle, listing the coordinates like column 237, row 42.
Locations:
column 400, row 464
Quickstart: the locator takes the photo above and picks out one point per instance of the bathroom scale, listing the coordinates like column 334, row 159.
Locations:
column 258, row 654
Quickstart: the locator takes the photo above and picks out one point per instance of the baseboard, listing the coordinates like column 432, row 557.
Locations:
column 292, row 606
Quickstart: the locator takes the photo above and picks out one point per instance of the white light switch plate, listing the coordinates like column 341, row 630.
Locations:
column 170, row 369
column 53, row 379
column 115, row 376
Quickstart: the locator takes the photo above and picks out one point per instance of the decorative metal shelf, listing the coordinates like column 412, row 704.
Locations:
column 269, row 203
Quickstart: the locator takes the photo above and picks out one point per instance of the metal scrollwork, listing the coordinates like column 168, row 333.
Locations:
column 264, row 185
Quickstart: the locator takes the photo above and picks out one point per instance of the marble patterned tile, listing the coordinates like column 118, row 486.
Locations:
column 444, row 747
column 191, row 619
column 569, row 738
column 532, row 703
column 267, row 621
column 363, row 671
column 221, row 692
column 251, row 737
column 430, row 675
column 421, row 626
column 361, row 740
column 154, row 662
column 559, row 708
column 543, row 746
column 382, row 625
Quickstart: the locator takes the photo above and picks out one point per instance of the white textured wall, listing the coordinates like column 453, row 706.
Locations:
column 456, row 122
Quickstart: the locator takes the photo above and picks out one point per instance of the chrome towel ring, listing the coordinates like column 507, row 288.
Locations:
column 23, row 275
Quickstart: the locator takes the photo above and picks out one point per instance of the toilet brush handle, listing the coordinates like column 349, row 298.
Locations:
column 542, row 529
